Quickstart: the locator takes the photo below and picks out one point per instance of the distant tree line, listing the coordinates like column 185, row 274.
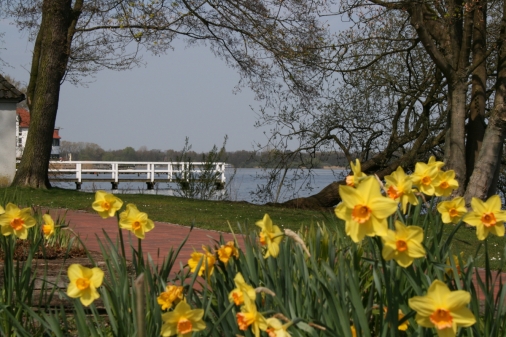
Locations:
column 240, row 159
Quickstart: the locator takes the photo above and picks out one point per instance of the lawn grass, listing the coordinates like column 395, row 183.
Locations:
column 215, row 215
column 204, row 214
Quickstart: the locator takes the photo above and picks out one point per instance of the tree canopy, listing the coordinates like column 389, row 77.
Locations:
column 77, row 38
column 405, row 80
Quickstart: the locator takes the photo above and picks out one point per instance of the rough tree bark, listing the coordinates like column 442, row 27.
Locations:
column 476, row 124
column 490, row 155
column 49, row 63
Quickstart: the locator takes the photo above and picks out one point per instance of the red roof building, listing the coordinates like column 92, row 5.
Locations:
column 22, row 126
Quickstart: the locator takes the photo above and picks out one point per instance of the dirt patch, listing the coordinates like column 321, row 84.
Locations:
column 45, row 252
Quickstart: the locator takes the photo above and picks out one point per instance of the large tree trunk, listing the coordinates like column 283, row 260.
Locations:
column 476, row 125
column 49, row 63
column 482, row 179
column 457, row 149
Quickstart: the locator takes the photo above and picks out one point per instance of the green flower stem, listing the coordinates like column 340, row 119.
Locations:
column 121, row 238
column 140, row 256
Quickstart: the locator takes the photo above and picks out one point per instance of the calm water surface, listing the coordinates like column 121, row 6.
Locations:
column 239, row 186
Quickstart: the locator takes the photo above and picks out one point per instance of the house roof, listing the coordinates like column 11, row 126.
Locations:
column 24, row 121
column 8, row 93
column 24, row 117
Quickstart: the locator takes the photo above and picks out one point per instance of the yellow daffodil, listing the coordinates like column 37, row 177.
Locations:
column 106, row 204
column 182, row 321
column 2, row 210
column 208, row 262
column 276, row 329
column 487, row 217
column 358, row 175
column 135, row 221
column 47, row 226
column 404, row 244
column 84, row 283
column 425, row 177
column 446, row 183
column 443, row 309
column 437, row 164
column 16, row 221
column 456, row 261
column 404, row 325
column 353, row 331
column 399, row 188
column 225, row 252
column 172, row 295
column 452, row 211
column 270, row 236
column 242, row 288
column 364, row 209
column 250, row 317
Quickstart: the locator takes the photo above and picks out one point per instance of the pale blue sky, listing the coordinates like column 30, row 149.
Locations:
column 187, row 92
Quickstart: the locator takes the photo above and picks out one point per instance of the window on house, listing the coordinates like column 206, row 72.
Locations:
column 56, row 142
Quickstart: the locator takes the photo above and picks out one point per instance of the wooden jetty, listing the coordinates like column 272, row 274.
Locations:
column 146, row 172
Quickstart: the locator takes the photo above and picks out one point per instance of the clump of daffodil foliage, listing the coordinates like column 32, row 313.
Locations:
column 383, row 267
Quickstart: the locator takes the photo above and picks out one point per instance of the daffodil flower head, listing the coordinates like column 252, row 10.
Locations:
column 404, row 325
column 250, row 317
column 172, row 295
column 425, row 177
column 225, row 252
column 443, row 309
column 437, row 164
column 135, row 221
column 47, row 226
column 458, row 266
column 364, row 209
column 182, row 321
column 353, row 331
column 358, row 175
column 106, row 204
column 276, row 329
column 270, row 236
column 84, row 283
column 403, row 245
column 487, row 217
column 399, row 188
column 445, row 183
column 16, row 221
column 208, row 261
column 241, row 289
column 453, row 210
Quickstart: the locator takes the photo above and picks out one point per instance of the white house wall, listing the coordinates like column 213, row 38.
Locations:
column 7, row 143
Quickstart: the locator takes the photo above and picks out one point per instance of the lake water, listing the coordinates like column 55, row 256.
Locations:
column 239, row 186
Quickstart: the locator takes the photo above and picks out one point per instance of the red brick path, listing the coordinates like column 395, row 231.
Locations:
column 161, row 238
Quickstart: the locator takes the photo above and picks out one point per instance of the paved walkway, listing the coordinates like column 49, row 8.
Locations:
column 157, row 242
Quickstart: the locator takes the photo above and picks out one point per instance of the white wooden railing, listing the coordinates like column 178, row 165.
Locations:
column 153, row 171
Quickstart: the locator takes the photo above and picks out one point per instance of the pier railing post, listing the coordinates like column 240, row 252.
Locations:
column 79, row 172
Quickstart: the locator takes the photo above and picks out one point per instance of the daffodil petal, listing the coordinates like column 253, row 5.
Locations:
column 463, row 317
column 422, row 305
column 473, row 219
column 494, row 203
column 478, row 206
column 457, row 299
